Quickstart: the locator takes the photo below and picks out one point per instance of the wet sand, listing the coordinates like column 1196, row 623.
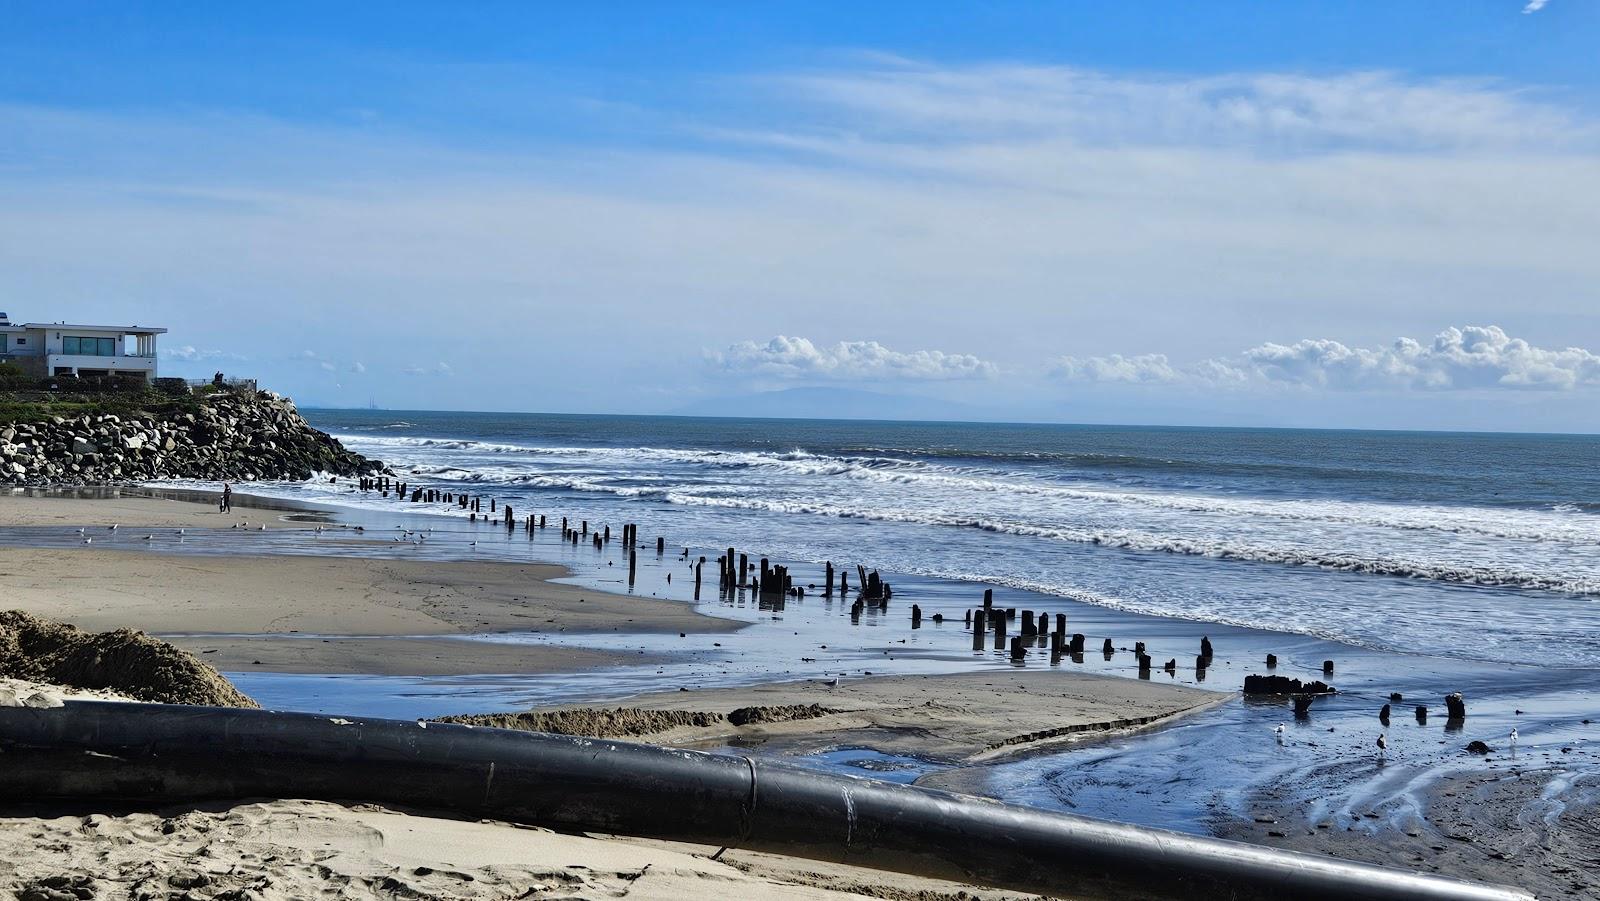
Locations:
column 130, row 511
column 954, row 719
column 1537, row 828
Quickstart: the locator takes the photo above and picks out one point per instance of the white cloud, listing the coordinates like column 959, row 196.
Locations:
column 1534, row 6
column 188, row 353
column 1141, row 369
column 1472, row 357
column 941, row 108
column 358, row 367
column 798, row 358
column 440, row 369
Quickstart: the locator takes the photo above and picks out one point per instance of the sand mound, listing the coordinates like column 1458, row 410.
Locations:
column 591, row 722
column 781, row 713
column 127, row 662
column 626, row 722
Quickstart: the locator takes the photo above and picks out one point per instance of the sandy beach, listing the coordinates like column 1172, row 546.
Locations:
column 250, row 611
column 285, row 850
column 379, row 616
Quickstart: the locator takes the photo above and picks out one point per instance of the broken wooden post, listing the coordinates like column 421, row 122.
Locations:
column 1272, row 661
column 1108, row 649
column 916, row 617
column 827, row 579
column 633, row 566
column 1455, row 706
column 1017, row 650
column 1205, row 647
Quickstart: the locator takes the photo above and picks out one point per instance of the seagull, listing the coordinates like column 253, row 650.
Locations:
column 1278, row 731
column 149, row 537
column 80, row 531
column 88, row 541
column 114, row 526
column 832, row 683
column 1513, row 738
column 1383, row 746
column 182, row 531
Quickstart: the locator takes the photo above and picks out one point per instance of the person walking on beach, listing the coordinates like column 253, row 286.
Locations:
column 227, row 498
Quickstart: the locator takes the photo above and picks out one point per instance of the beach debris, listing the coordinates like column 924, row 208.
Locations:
column 1477, row 747
column 1283, row 685
column 1396, row 697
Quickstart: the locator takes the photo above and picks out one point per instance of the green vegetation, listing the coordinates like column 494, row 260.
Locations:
column 26, row 399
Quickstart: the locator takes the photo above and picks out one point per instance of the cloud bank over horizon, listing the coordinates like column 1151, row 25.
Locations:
column 1466, row 358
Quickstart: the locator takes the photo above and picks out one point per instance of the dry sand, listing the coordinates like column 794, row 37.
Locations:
column 290, row 850
column 956, row 718
column 351, row 611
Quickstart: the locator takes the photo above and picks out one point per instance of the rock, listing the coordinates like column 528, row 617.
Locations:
column 240, row 437
column 1283, row 685
column 1477, row 747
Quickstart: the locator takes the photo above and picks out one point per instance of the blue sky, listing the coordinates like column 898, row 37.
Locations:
column 1342, row 214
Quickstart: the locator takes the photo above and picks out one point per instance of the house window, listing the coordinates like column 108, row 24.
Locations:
column 22, row 342
column 89, row 347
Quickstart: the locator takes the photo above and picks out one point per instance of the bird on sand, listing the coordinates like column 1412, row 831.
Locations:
column 1278, row 731
column 1383, row 746
column 832, row 683
column 1513, row 738
column 80, row 531
column 114, row 526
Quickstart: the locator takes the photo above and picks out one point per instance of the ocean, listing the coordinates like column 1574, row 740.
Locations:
column 1477, row 546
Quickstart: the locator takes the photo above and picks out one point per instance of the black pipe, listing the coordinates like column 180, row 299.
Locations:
column 153, row 752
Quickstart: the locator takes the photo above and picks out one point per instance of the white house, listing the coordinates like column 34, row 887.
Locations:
column 59, row 348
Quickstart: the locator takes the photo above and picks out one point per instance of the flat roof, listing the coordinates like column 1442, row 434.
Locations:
column 129, row 329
